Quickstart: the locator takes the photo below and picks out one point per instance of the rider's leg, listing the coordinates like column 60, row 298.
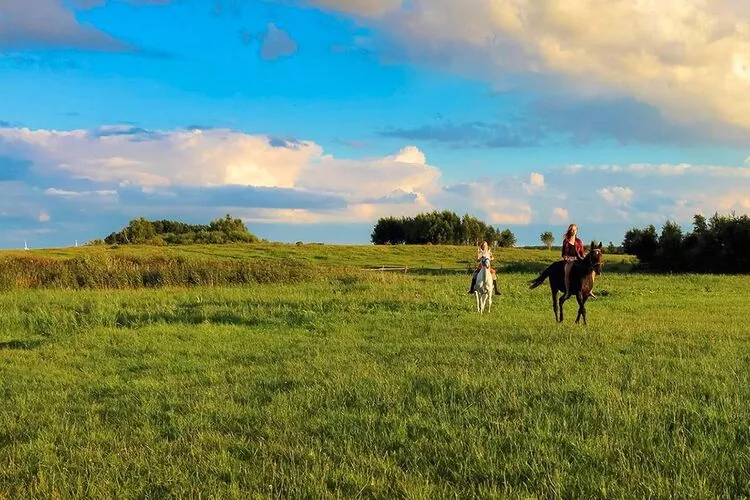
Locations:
column 568, row 267
column 473, row 281
column 494, row 280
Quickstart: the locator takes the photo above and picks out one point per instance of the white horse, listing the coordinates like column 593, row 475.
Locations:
column 483, row 288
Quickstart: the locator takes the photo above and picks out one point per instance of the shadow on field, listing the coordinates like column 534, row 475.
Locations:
column 20, row 345
column 532, row 268
column 185, row 317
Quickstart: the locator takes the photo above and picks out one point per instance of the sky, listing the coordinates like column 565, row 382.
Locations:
column 311, row 119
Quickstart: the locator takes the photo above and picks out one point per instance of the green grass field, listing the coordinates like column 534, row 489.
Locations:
column 375, row 384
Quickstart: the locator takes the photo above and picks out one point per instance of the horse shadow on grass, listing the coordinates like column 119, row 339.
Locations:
column 20, row 345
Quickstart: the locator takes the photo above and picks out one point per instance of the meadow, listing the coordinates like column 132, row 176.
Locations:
column 334, row 381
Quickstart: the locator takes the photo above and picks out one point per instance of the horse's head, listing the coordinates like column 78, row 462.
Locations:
column 595, row 258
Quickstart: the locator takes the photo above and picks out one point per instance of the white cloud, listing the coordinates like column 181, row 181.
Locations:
column 535, row 183
column 691, row 60
column 560, row 215
column 43, row 217
column 114, row 169
column 616, row 194
column 158, row 162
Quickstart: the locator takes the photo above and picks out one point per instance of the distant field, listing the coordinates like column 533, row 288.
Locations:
column 228, row 264
column 374, row 384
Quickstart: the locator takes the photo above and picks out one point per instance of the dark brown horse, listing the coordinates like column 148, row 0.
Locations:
column 582, row 277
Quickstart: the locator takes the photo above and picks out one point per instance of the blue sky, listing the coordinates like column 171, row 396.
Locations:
column 312, row 118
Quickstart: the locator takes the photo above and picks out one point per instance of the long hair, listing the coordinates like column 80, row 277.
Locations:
column 571, row 230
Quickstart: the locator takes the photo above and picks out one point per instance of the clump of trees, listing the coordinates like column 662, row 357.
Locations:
column 166, row 232
column 438, row 227
column 717, row 245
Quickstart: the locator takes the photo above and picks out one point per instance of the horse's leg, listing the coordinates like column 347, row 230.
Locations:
column 563, row 298
column 581, row 308
column 476, row 294
column 554, row 302
column 583, row 311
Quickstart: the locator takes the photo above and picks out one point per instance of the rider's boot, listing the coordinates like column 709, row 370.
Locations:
column 473, row 284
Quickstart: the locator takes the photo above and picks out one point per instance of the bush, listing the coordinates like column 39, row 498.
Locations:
column 163, row 232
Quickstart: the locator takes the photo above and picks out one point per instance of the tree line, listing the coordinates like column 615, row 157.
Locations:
column 436, row 228
column 716, row 245
column 167, row 232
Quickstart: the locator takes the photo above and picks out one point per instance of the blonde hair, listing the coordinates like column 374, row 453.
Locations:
column 569, row 232
column 484, row 243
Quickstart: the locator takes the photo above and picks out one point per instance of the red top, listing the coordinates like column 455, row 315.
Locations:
column 569, row 250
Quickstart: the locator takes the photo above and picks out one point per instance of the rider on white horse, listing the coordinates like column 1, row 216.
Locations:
column 484, row 258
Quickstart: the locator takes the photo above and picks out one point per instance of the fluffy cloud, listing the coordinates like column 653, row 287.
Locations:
column 58, row 178
column 118, row 166
column 616, row 194
column 691, row 60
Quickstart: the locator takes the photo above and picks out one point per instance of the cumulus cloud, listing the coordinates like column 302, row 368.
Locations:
column 616, row 194
column 126, row 172
column 133, row 167
column 690, row 60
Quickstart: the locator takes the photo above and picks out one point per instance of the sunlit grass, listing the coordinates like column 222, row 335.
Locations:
column 379, row 385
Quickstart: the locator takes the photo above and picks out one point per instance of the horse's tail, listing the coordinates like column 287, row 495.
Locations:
column 540, row 279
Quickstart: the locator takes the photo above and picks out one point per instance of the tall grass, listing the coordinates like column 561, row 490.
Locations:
column 101, row 271
column 218, row 265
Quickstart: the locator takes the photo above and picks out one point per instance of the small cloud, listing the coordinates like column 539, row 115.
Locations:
column 560, row 214
column 536, row 179
column 535, row 184
column 411, row 154
column 617, row 194
column 275, row 43
column 43, row 217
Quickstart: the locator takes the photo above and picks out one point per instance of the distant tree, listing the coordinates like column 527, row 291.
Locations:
column 547, row 239
column 388, row 231
column 719, row 244
column 641, row 242
column 669, row 251
column 436, row 228
column 506, row 239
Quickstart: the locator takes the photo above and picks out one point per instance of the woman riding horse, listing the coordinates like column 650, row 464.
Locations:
column 484, row 254
column 572, row 251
